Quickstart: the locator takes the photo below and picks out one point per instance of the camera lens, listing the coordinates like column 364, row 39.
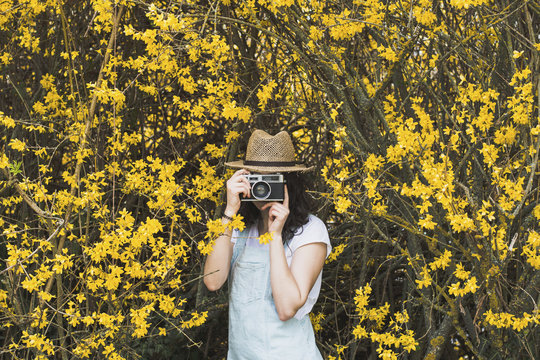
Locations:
column 260, row 190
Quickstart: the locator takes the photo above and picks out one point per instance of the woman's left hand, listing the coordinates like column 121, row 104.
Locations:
column 278, row 213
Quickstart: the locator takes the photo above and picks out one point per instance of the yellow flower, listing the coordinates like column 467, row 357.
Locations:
column 214, row 151
column 342, row 204
column 265, row 93
column 265, row 238
column 31, row 284
column 231, row 136
column 425, row 280
column 17, row 144
column 505, row 135
column 6, row 120
column 315, row 321
column 340, row 348
column 490, row 154
column 427, row 222
column 45, row 295
column 373, row 163
column 387, row 53
column 4, row 161
column 193, row 214
column 408, row 342
column 206, row 248
column 237, row 223
column 402, row 317
column 442, row 261
column 336, row 251
column 196, row 320
column 536, row 212
column 470, row 287
column 215, row 228
column 360, row 332
column 460, row 272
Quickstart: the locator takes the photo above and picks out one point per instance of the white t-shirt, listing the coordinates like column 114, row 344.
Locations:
column 313, row 231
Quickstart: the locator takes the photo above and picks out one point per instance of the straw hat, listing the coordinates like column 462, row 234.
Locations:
column 267, row 153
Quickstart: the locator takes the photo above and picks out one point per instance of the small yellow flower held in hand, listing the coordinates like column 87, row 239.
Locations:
column 265, row 238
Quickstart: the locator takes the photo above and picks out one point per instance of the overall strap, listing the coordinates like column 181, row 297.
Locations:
column 239, row 245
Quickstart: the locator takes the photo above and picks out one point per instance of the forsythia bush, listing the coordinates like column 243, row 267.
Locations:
column 421, row 118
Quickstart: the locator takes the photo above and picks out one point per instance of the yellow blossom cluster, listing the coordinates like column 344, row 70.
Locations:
column 339, row 166
column 531, row 250
column 316, row 320
column 265, row 238
column 372, row 322
column 336, row 251
column 216, row 228
column 506, row 320
column 196, row 320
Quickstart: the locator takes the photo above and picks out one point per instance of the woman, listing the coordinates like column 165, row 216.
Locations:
column 273, row 285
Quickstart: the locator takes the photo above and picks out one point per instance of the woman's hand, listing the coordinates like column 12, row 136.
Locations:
column 236, row 185
column 278, row 213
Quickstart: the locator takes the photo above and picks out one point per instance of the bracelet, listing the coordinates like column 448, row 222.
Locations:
column 223, row 215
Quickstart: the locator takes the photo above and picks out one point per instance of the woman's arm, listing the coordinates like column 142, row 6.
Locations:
column 291, row 286
column 216, row 267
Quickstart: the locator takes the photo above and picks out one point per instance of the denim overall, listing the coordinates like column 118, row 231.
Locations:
column 255, row 330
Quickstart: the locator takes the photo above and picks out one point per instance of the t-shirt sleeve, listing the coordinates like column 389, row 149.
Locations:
column 314, row 231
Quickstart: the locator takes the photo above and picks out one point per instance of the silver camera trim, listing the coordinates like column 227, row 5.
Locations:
column 267, row 194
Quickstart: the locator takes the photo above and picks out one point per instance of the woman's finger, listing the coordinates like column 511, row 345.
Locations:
column 239, row 174
column 279, row 212
column 241, row 188
column 243, row 180
column 238, row 180
column 268, row 204
column 280, row 207
column 239, row 177
column 286, row 197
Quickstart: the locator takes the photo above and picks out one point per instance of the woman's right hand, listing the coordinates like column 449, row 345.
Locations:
column 236, row 185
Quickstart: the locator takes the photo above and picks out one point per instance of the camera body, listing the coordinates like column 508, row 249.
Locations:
column 265, row 187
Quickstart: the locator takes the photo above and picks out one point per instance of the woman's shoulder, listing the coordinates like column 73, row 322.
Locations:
column 314, row 222
column 311, row 232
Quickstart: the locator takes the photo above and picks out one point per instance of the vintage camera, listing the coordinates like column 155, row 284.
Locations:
column 265, row 187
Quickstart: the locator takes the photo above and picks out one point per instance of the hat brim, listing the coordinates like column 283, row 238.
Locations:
column 240, row 165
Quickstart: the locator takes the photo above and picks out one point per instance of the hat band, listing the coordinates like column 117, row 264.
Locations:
column 270, row 163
